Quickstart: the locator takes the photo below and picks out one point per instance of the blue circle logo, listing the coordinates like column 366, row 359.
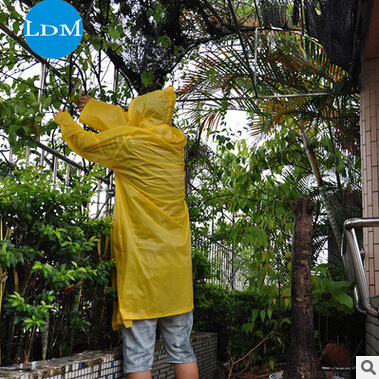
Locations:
column 53, row 29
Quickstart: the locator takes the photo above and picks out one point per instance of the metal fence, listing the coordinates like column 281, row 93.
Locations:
column 45, row 157
column 225, row 262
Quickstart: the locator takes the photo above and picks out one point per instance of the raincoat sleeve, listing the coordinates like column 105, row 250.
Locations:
column 102, row 116
column 99, row 148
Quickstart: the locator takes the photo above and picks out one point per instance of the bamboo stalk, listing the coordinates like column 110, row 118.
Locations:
column 75, row 308
column 106, row 247
column 15, row 278
column 31, row 338
column 3, row 279
column 45, row 338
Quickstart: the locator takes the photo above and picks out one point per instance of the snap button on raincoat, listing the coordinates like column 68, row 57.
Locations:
column 150, row 235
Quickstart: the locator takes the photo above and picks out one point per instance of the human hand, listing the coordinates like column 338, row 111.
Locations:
column 83, row 101
column 58, row 111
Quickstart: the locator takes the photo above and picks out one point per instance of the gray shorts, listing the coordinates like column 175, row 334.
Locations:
column 139, row 341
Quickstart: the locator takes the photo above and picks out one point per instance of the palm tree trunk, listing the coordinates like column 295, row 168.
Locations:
column 329, row 211
column 302, row 360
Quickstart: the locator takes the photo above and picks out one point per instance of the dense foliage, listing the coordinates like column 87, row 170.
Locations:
column 55, row 269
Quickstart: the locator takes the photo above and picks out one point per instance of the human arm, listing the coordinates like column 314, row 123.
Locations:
column 100, row 115
column 99, row 148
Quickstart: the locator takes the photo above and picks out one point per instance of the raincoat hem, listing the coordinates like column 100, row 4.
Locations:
column 160, row 315
column 129, row 322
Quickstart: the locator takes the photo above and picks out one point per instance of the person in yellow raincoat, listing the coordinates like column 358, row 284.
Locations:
column 151, row 240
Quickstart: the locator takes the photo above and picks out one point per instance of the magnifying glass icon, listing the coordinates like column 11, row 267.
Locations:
column 367, row 366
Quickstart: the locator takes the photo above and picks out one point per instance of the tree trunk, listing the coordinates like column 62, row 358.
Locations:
column 321, row 188
column 302, row 360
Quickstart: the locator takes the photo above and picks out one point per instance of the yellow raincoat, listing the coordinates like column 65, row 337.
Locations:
column 151, row 235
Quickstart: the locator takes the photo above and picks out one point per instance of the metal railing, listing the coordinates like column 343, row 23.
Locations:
column 61, row 167
column 353, row 262
column 225, row 263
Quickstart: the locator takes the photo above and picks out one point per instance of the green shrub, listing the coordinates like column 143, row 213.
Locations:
column 239, row 318
column 253, row 321
column 56, row 293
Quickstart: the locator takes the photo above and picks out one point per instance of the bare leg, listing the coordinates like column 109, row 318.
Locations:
column 186, row 370
column 139, row 375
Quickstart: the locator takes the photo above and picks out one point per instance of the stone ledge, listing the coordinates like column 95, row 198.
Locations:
column 92, row 363
column 107, row 364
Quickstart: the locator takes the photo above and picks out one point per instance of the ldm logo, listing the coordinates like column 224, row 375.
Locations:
column 53, row 29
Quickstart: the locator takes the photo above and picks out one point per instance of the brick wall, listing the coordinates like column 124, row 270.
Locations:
column 370, row 167
column 369, row 120
column 205, row 347
column 108, row 364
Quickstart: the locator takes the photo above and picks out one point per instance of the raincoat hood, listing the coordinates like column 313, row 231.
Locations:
column 153, row 109
column 144, row 112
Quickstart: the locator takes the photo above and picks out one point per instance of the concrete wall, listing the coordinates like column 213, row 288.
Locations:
column 108, row 364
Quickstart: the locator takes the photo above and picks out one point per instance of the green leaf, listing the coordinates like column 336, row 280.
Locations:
column 248, row 327
column 269, row 313
column 147, row 77
column 263, row 315
column 114, row 34
column 46, row 103
column 344, row 299
column 16, row 27
column 254, row 314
